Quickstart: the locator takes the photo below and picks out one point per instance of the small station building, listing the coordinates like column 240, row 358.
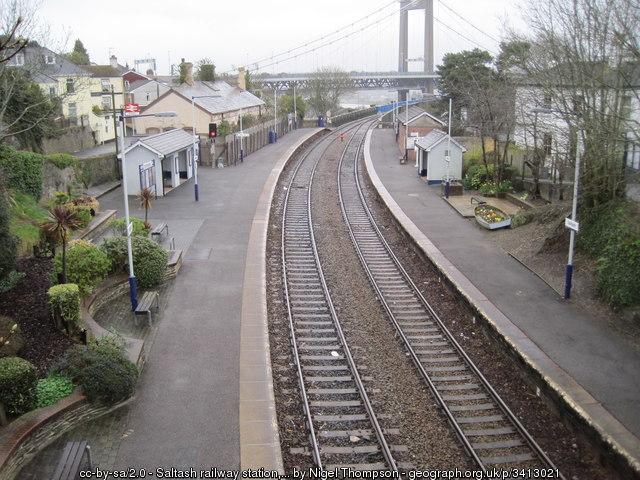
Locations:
column 162, row 162
column 420, row 123
column 430, row 155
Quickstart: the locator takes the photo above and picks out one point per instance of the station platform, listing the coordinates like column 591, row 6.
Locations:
column 588, row 364
column 187, row 409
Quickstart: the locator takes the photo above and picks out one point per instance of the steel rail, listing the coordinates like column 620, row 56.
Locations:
column 542, row 456
column 316, row 450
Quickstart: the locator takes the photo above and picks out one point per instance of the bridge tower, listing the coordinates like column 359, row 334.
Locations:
column 403, row 44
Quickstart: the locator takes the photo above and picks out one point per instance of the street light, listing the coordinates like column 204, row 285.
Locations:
column 447, row 158
column 573, row 224
column 133, row 287
column 196, row 141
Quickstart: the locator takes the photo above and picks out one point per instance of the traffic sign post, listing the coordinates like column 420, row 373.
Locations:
column 572, row 225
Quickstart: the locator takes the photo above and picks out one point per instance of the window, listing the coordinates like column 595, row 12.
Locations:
column 106, row 102
column 73, row 112
column 547, row 140
column 625, row 107
column 106, row 127
column 126, row 84
column 148, row 95
column 18, row 59
column 52, row 90
column 70, row 86
column 105, row 84
column 49, row 59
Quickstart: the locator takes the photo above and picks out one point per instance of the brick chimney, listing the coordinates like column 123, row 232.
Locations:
column 242, row 81
column 113, row 60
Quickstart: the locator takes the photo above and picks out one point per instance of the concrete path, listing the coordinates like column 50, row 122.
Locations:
column 583, row 345
column 186, row 410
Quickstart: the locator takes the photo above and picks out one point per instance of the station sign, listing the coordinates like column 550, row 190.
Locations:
column 571, row 224
column 131, row 109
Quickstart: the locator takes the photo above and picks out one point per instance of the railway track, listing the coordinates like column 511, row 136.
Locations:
column 344, row 430
column 488, row 430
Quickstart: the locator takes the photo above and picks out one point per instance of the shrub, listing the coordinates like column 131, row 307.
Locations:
column 62, row 160
column 617, row 274
column 8, row 242
column 87, row 265
column 149, row 258
column 64, row 302
column 22, row 170
column 477, row 175
column 18, row 381
column 11, row 280
column 60, row 198
column 611, row 234
column 102, row 369
column 87, row 201
column 139, row 229
column 83, row 214
column 51, row 389
column 10, row 337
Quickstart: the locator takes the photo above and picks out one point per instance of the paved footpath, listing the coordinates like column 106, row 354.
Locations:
column 583, row 345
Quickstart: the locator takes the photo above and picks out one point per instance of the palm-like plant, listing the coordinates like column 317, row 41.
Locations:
column 146, row 197
column 62, row 221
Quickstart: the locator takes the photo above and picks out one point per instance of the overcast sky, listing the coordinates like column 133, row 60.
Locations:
column 242, row 32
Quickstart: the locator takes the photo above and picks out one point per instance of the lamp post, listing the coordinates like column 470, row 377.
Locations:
column 275, row 114
column 295, row 109
column 133, row 286
column 196, row 141
column 572, row 225
column 447, row 157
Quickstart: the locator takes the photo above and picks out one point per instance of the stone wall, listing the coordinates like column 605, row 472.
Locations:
column 73, row 139
column 56, row 180
column 98, row 170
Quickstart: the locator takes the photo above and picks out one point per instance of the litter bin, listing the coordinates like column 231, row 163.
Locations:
column 272, row 136
column 320, row 121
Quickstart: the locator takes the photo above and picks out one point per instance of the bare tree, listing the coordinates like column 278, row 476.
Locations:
column 326, row 86
column 583, row 62
column 23, row 106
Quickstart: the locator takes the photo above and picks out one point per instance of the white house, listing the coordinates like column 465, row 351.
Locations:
column 430, row 157
column 161, row 162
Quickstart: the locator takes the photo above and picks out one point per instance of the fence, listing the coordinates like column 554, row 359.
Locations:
column 228, row 147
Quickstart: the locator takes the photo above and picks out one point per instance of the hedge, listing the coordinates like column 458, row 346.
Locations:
column 87, row 265
column 22, row 170
column 8, row 242
column 62, row 160
column 149, row 259
column 18, row 380
column 64, row 302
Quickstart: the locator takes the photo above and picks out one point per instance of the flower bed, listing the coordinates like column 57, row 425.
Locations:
column 491, row 217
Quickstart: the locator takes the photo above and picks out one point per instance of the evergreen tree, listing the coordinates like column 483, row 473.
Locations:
column 79, row 54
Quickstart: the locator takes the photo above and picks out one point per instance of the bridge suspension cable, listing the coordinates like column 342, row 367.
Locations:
column 331, row 42
column 319, row 39
column 443, row 3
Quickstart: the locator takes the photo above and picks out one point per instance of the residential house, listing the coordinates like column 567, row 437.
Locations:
column 214, row 102
column 84, row 91
column 430, row 154
column 106, row 87
column 160, row 162
column 60, row 78
column 143, row 92
column 418, row 122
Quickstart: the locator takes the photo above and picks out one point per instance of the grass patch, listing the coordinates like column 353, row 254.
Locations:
column 26, row 217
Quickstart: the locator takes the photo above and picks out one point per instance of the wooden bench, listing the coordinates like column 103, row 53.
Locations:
column 145, row 304
column 75, row 457
column 477, row 200
column 158, row 229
